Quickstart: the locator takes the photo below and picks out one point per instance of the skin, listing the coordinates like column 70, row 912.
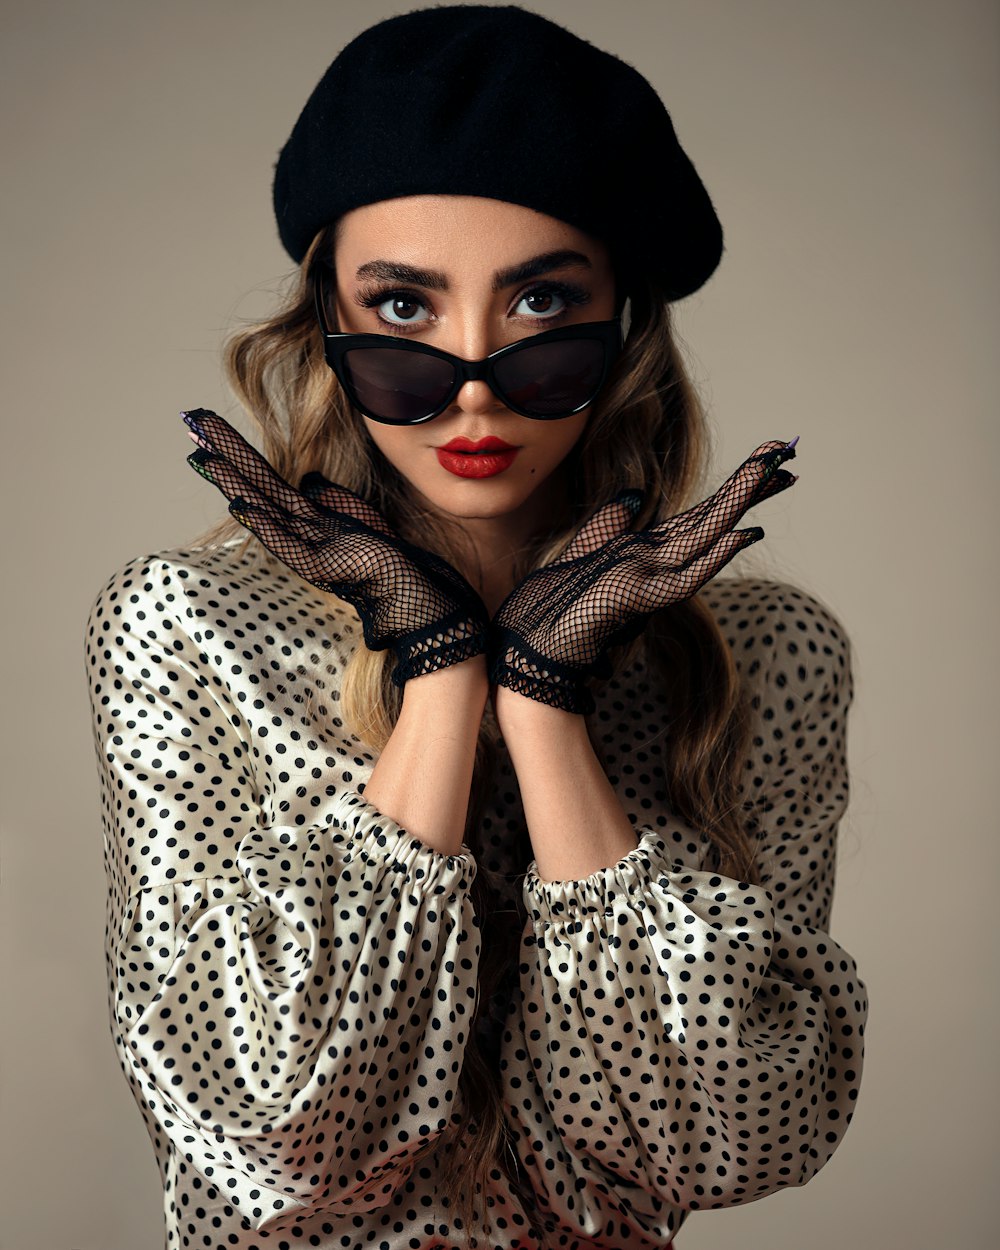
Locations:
column 423, row 775
column 468, row 240
column 480, row 274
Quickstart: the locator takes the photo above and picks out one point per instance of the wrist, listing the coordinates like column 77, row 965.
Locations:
column 454, row 639
column 466, row 682
column 519, row 712
column 519, row 668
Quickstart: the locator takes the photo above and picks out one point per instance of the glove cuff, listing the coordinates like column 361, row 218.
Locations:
column 516, row 665
column 457, row 637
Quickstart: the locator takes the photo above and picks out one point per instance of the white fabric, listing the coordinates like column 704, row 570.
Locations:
column 292, row 976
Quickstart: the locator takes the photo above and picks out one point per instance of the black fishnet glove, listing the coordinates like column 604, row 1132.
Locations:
column 408, row 599
column 554, row 630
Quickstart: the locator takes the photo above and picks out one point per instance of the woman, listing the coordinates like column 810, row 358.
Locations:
column 469, row 868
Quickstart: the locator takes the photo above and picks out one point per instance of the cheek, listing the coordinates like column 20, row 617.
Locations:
column 559, row 440
column 396, row 443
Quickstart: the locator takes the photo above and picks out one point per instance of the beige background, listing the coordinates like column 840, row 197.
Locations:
column 850, row 149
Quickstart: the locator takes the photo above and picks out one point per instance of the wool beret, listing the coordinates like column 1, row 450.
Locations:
column 501, row 102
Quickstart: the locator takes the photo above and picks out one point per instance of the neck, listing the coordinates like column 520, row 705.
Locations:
column 494, row 544
column 496, row 547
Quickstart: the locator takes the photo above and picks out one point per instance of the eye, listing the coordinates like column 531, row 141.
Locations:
column 549, row 301
column 401, row 308
column 544, row 302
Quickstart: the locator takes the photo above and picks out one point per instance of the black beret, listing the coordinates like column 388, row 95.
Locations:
column 500, row 102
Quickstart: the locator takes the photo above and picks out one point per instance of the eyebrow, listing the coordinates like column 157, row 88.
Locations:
column 434, row 280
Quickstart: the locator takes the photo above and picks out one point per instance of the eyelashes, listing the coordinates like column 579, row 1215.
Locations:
column 570, row 294
column 373, row 296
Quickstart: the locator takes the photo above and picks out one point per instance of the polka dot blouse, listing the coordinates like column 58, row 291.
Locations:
column 293, row 976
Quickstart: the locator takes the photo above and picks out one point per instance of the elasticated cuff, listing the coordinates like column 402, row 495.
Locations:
column 548, row 901
column 377, row 836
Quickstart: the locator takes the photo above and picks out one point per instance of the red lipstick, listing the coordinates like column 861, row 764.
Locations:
column 485, row 457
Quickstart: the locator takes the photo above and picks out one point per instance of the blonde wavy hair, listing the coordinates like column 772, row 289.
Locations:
column 647, row 430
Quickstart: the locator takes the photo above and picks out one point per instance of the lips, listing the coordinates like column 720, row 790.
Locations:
column 485, row 457
column 467, row 446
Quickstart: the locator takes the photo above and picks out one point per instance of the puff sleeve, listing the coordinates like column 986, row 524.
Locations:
column 682, row 1041
column 282, row 994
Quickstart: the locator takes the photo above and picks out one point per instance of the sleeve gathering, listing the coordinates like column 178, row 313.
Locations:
column 293, row 977
column 279, row 993
column 682, row 1041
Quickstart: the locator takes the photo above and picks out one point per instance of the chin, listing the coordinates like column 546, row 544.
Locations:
column 522, row 496
column 479, row 500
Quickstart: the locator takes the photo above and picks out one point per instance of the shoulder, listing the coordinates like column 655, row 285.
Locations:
column 231, row 590
column 782, row 635
column 186, row 579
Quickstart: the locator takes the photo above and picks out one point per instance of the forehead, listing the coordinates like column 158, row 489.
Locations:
column 461, row 235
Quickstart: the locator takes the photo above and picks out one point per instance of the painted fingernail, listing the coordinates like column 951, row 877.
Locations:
column 190, row 419
column 771, row 460
column 780, row 455
column 788, row 451
column 632, row 499
column 198, row 460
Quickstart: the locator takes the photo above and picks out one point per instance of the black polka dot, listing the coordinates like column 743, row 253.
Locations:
column 293, row 977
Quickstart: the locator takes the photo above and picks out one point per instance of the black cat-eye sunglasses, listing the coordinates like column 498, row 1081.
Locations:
column 402, row 382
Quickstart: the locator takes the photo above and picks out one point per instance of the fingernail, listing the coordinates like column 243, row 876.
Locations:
column 197, row 460
column 771, row 460
column 783, row 479
column 788, row 451
column 191, row 421
column 780, row 455
column 632, row 499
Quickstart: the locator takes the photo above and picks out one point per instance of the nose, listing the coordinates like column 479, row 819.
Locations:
column 475, row 398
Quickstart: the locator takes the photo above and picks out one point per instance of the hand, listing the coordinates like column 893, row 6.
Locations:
column 408, row 599
column 555, row 628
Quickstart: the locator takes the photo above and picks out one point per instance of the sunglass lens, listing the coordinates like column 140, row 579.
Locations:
column 552, row 379
column 397, row 386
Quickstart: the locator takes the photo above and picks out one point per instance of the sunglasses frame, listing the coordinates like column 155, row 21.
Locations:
column 336, row 346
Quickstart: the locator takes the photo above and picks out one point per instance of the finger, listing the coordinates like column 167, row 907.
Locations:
column 306, row 525
column 310, row 528
column 610, row 521
column 303, row 545
column 217, row 436
column 345, row 557
column 755, row 472
column 704, row 567
column 769, row 448
column 741, row 480
column 192, row 418
column 209, row 429
column 759, row 465
column 296, row 551
column 679, row 582
column 222, row 474
column 336, row 498
column 748, row 485
column 218, row 471
column 781, row 480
